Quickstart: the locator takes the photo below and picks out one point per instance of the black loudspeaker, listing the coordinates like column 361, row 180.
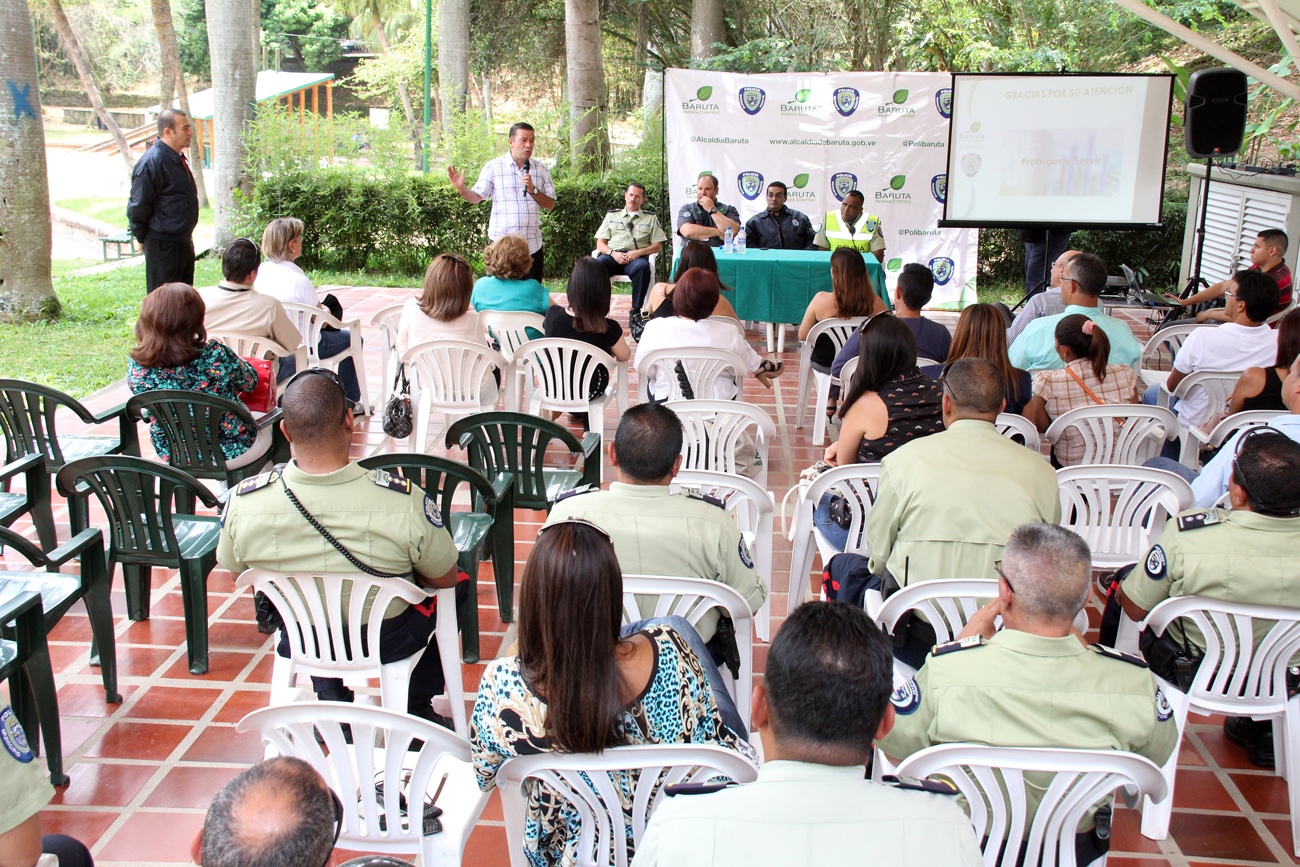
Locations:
column 1215, row 116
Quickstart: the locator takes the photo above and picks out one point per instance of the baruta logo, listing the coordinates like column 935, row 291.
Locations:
column 800, row 181
column 690, row 190
column 799, row 105
column 701, row 104
column 943, row 101
column 752, row 99
column 842, row 183
column 750, row 184
column 971, row 135
column 893, row 193
column 846, row 100
column 920, row 143
column 939, row 188
column 897, row 108
column 942, row 267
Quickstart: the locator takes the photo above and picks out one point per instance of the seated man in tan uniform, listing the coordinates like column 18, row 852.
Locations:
column 234, row 305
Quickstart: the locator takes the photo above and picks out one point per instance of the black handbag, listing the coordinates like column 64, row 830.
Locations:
column 1175, row 661
column 397, row 412
column 636, row 324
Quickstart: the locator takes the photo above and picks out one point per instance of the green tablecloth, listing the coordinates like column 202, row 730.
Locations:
column 776, row 285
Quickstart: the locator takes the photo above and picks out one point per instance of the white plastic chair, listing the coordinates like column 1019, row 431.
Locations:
column 992, row 779
column 308, row 319
column 1123, row 433
column 252, row 346
column 838, row 332
column 592, row 782
column 1120, row 511
column 691, row 598
column 734, row 323
column 923, row 362
column 623, row 278
column 1169, row 339
column 558, row 373
column 453, row 377
column 510, row 330
column 1012, row 426
column 325, row 642
column 703, row 367
column 1216, row 436
column 754, row 510
column 380, row 751
column 1218, row 384
column 712, row 428
column 1278, row 315
column 386, row 320
column 858, row 482
column 1240, row 675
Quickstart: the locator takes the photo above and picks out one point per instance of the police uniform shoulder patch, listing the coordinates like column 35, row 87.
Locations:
column 871, row 225
column 431, row 512
column 960, row 644
column 13, row 736
column 385, row 479
column 1164, row 710
column 744, row 554
column 711, row 500
column 1198, row 519
column 1112, row 653
column 1157, row 563
column 934, row 787
column 247, row 486
column 906, row 698
column 583, row 489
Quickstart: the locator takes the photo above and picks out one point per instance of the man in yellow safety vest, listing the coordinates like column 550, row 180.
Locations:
column 852, row 227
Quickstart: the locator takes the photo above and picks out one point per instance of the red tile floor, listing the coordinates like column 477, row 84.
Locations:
column 144, row 771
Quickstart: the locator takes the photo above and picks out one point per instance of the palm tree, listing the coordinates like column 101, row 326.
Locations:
column 368, row 16
column 173, row 77
column 453, row 60
column 588, row 135
column 84, row 72
column 707, row 28
column 234, row 82
column 26, row 291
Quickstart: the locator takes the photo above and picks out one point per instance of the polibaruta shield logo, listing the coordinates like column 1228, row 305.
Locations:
column 939, row 187
column 752, row 99
column 970, row 164
column 846, row 100
column 842, row 183
column 943, row 101
column 942, row 267
column 750, row 184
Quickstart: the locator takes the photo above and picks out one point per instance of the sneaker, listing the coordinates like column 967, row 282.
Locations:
column 1256, row 738
column 338, row 693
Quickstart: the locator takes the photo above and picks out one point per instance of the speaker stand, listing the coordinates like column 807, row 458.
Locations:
column 1195, row 281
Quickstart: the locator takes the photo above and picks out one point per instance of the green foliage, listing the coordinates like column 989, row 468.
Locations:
column 118, row 38
column 192, row 40
column 309, row 31
column 377, row 77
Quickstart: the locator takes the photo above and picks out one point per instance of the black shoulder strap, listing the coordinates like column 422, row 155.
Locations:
column 329, row 537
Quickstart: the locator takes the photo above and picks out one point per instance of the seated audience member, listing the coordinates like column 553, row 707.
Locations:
column 657, row 532
column 1249, row 553
column 580, row 683
column 1265, row 257
column 694, row 298
column 980, row 334
column 384, row 522
column 1082, row 280
column 824, row 696
column 442, row 311
column 1035, row 683
column 1261, row 387
column 280, row 811
column 27, row 790
column 1241, row 342
column 172, row 351
column 626, row 240
column 696, row 254
column 779, row 227
column 284, row 281
column 586, row 319
column 851, row 296
column 507, row 286
column 233, row 305
column 1045, row 303
column 914, row 290
column 1087, row 379
column 947, row 502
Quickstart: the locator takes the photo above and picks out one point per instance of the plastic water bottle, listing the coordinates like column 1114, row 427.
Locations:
column 727, row 242
column 740, row 242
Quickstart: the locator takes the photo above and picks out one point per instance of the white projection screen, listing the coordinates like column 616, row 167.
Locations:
column 1082, row 150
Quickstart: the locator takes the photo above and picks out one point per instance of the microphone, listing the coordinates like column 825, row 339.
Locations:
column 526, row 171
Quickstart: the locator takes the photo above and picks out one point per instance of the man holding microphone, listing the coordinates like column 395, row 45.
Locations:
column 519, row 188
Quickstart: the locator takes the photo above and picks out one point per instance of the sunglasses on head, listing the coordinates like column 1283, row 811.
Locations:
column 348, row 403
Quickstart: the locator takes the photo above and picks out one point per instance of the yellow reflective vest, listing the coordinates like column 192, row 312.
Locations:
column 864, row 231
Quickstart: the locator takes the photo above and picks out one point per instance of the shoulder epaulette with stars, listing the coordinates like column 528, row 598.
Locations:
column 673, row 789
column 712, row 501
column 247, row 486
column 934, row 787
column 583, row 489
column 385, row 479
column 1198, row 519
column 1112, row 653
column 960, row 644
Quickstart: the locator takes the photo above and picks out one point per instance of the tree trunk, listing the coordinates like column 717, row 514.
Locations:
column 196, row 152
column 171, row 58
column 26, row 291
column 487, row 97
column 588, row 136
column 415, row 126
column 234, row 82
column 453, row 59
column 652, row 94
column 707, row 28
column 79, row 60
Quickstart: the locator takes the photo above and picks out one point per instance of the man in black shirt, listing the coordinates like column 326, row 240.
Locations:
column 779, row 227
column 164, row 205
column 706, row 219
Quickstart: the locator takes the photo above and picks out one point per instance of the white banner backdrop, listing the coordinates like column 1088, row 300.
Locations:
column 824, row 134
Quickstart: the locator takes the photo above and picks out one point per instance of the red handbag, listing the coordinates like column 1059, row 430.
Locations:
column 262, row 397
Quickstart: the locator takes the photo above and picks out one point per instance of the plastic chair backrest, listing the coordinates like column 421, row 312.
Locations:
column 848, row 371
column 438, row 477
column 735, row 323
column 1018, row 428
column 837, row 331
column 453, row 372
column 560, row 371
column 191, row 424
column 1127, row 433
column 27, row 418
column 712, row 429
column 387, row 320
column 379, row 750
column 1247, row 651
column 1285, row 310
column 702, row 366
column 858, row 483
column 946, row 604
column 250, row 345
column 1120, row 510
column 1219, row 384
column 513, row 442
column 1224, row 430
column 308, row 319
column 509, row 328
column 589, row 782
column 923, row 362
column 1169, row 339
column 993, row 780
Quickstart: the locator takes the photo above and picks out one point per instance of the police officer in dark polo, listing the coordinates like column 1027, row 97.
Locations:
column 626, row 240
column 707, row 219
column 384, row 522
column 779, row 227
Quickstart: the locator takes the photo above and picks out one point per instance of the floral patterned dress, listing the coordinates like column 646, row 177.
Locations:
column 216, row 371
column 677, row 706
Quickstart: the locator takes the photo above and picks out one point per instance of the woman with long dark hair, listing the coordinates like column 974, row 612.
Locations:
column 579, row 684
column 585, row 317
column 982, row 333
column 851, row 295
column 1261, row 387
column 696, row 254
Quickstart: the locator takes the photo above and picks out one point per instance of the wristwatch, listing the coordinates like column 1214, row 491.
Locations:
column 714, row 211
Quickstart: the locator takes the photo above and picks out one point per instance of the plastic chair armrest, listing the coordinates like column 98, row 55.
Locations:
column 26, row 464
column 83, row 541
column 502, row 484
column 26, row 548
column 22, row 604
column 108, row 414
column 269, row 418
column 591, row 459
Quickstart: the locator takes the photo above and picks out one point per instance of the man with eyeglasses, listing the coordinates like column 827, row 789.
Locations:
column 1045, row 303
column 627, row 239
column 1249, row 553
column 1035, row 682
column 324, row 512
column 234, row 305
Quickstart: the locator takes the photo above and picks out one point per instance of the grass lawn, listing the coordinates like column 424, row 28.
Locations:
column 112, row 210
